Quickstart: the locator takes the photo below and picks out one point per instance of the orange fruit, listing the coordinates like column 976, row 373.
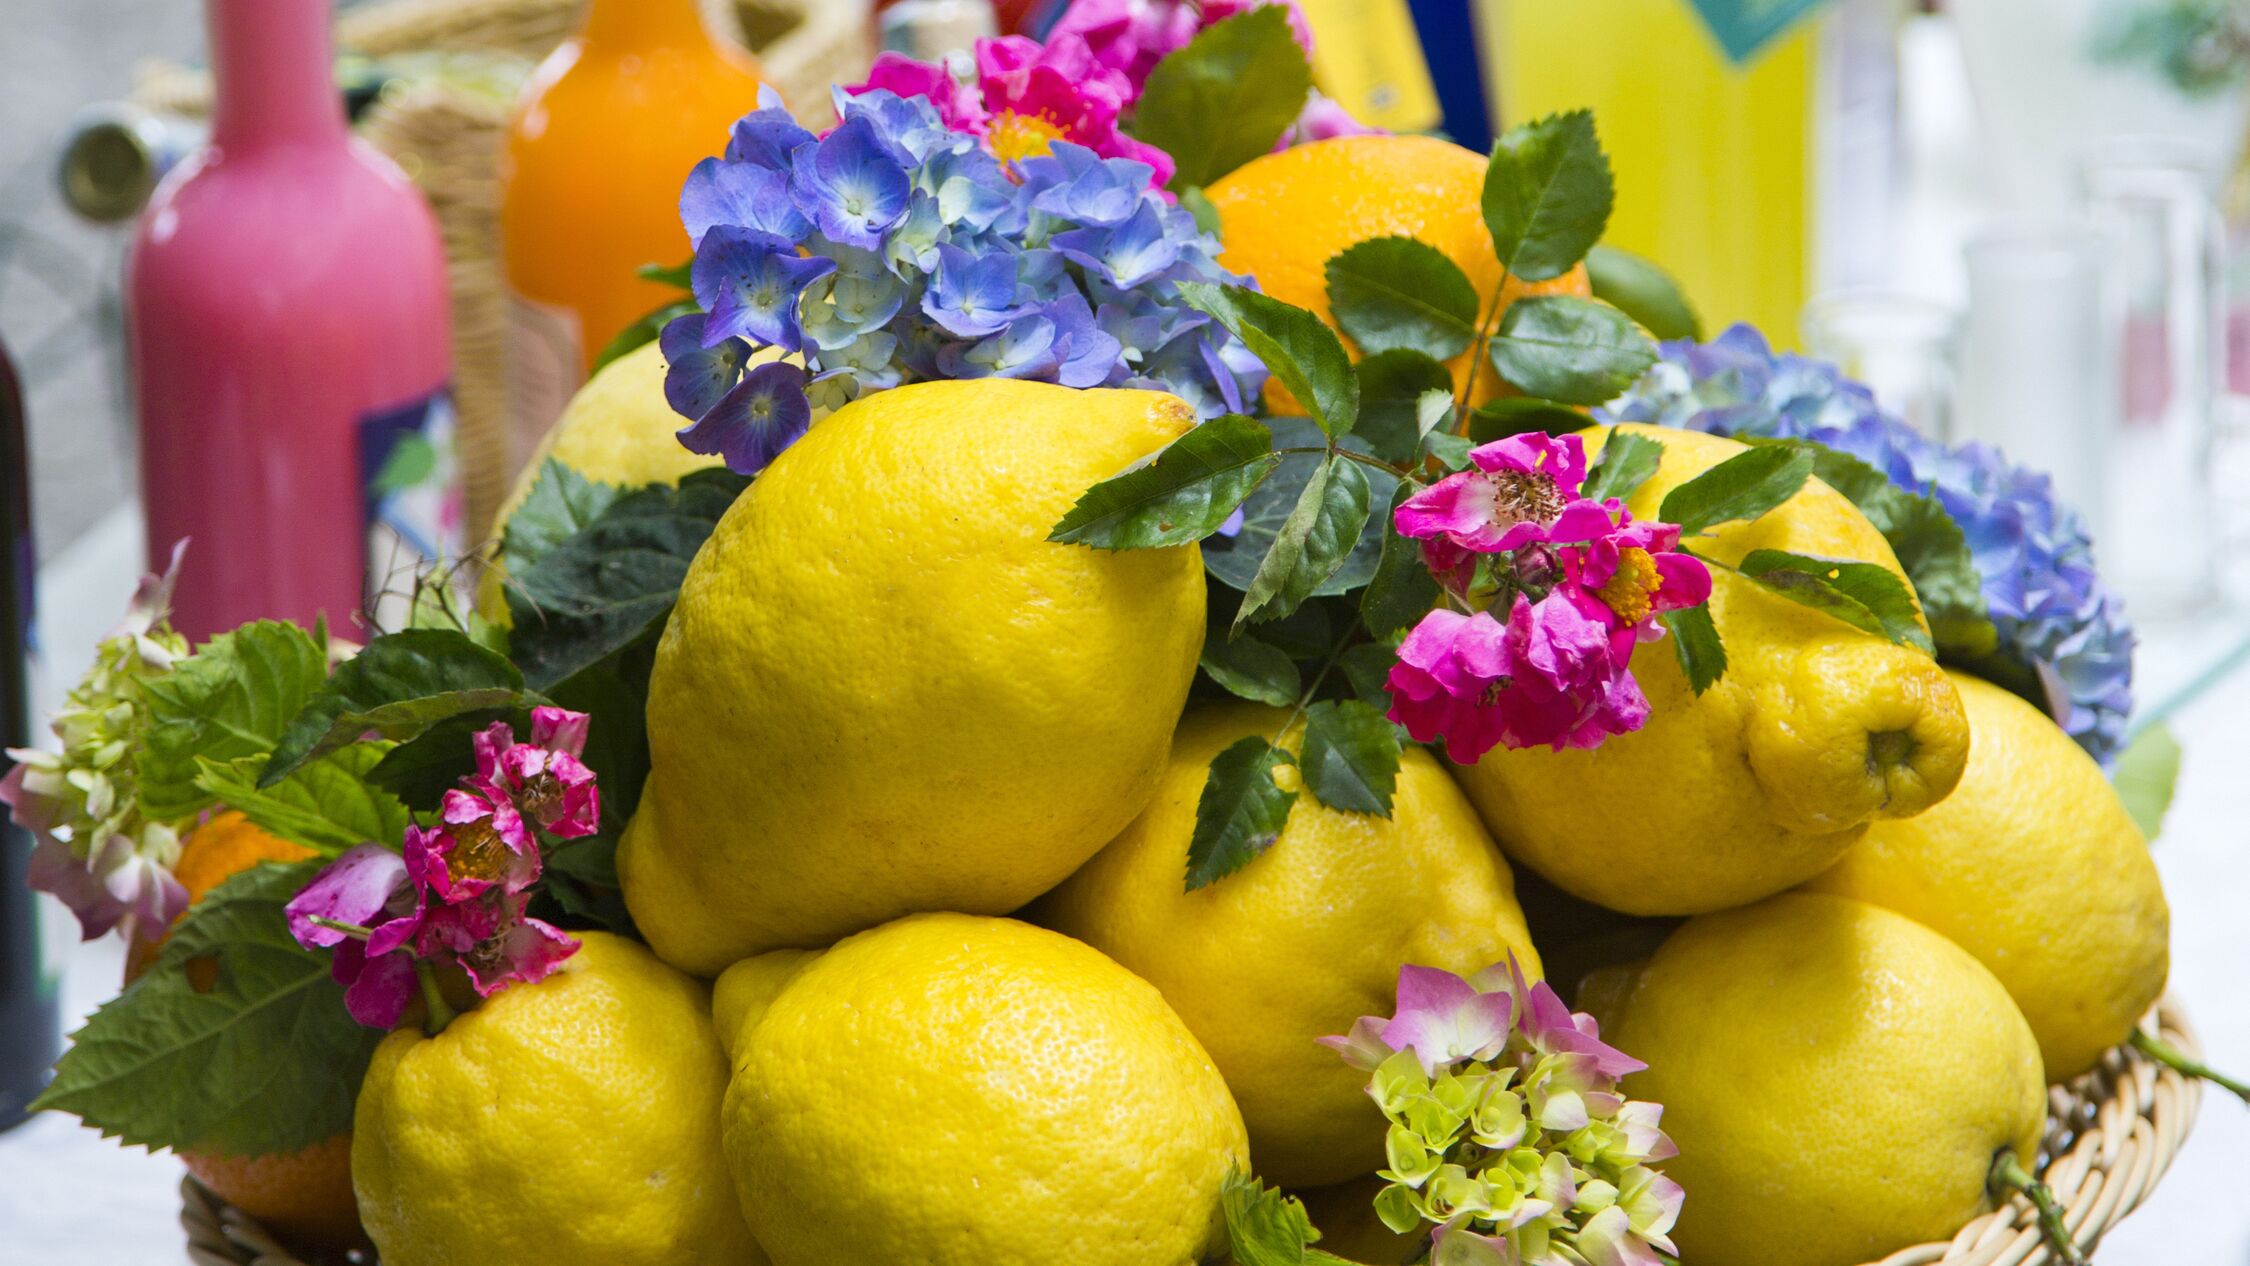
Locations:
column 1283, row 215
column 306, row 1195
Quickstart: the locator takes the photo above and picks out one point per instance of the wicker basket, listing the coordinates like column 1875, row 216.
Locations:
column 444, row 128
column 2111, row 1134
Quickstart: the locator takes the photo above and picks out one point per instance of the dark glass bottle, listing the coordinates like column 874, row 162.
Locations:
column 30, row 1036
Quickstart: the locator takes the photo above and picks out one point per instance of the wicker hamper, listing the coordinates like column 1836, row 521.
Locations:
column 2111, row 1134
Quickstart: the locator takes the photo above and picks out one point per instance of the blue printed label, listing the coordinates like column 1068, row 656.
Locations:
column 411, row 502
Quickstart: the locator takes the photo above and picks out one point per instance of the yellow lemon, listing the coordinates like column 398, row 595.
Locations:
column 1839, row 1080
column 1304, row 939
column 1765, row 779
column 959, row 1091
column 1282, row 215
column 885, row 690
column 571, row 1121
column 617, row 430
column 2034, row 866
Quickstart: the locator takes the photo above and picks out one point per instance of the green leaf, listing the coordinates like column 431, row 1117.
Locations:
column 400, row 685
column 1267, row 1228
column 439, row 605
column 561, row 504
column 1393, row 293
column 1867, row 596
column 680, row 276
column 614, row 581
column 1695, row 640
column 1198, row 204
column 1226, row 97
column 2147, row 771
column 267, row 1060
column 1627, row 462
column 1743, row 487
column 421, row 770
column 1642, row 291
column 1450, row 450
column 1180, row 497
column 1402, row 590
column 643, row 331
column 1571, row 350
column 581, row 881
column 1234, row 560
column 1392, row 389
column 1547, row 196
column 230, row 701
column 1295, row 345
column 1320, row 533
column 1350, row 756
column 1517, row 415
column 327, row 804
column 1367, row 667
column 1240, row 813
column 1252, row 668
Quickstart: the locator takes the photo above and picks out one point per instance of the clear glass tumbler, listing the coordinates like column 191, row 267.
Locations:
column 1902, row 346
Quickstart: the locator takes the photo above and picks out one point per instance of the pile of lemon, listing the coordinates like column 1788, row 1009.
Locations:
column 922, row 792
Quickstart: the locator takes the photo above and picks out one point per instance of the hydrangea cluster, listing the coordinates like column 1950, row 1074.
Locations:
column 2054, row 614
column 457, row 892
column 1580, row 585
column 94, row 849
column 896, row 249
column 1507, row 1131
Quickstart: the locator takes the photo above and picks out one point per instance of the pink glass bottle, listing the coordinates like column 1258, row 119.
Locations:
column 287, row 315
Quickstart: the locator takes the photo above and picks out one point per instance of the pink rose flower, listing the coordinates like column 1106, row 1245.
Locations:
column 1520, row 486
column 958, row 104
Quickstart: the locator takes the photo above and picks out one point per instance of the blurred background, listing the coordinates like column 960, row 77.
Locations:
column 2024, row 222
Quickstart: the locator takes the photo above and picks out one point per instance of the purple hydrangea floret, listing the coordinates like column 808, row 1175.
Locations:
column 2054, row 614
column 895, row 250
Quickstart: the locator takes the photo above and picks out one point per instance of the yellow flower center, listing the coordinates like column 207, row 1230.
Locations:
column 1015, row 137
column 1525, row 497
column 1630, row 590
column 478, row 852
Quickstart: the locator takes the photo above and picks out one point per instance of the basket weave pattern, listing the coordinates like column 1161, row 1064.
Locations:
column 2111, row 1134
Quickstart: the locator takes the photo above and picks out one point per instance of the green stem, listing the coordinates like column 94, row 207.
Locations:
column 352, row 930
column 2009, row 1177
column 439, row 1012
column 1478, row 349
column 2174, row 1058
column 1305, row 696
column 1364, row 459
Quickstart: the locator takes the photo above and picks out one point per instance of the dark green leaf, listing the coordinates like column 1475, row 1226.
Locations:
column 1251, row 668
column 1234, row 560
column 421, row 770
column 1182, row 496
column 1742, row 487
column 1402, row 590
column 1226, row 97
column 267, row 1060
column 614, row 693
column 581, row 881
column 1198, row 204
column 1571, row 350
column 561, row 504
column 2147, row 771
column 1627, row 462
column 1297, row 346
column 438, row 604
column 1547, row 196
column 1930, row 547
column 1240, row 813
column 1642, row 291
column 1518, row 415
column 1350, row 757
column 1450, row 450
column 1267, row 1228
column 1392, row 418
column 1319, row 534
column 1400, row 293
column 614, row 581
column 327, row 804
column 400, row 685
column 1367, row 667
column 230, row 701
column 643, row 331
column 1867, row 596
column 1695, row 640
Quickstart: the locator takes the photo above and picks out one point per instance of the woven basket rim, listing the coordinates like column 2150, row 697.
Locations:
column 2111, row 1135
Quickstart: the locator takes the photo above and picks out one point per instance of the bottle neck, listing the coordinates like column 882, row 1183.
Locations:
column 627, row 24
column 274, row 72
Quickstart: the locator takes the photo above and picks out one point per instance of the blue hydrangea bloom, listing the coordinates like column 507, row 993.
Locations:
column 2054, row 615
column 893, row 250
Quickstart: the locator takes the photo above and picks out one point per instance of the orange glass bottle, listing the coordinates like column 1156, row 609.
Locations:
column 601, row 140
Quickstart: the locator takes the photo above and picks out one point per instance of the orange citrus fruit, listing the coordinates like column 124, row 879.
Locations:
column 1283, row 215
column 305, row 1195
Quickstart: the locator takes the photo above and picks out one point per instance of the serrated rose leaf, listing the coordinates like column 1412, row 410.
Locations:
column 1642, row 291
column 1322, row 530
column 1402, row 590
column 1570, row 350
column 1400, row 293
column 1295, row 345
column 1240, row 813
column 1627, row 462
column 1251, row 668
column 1224, row 98
column 1350, row 756
column 1547, row 195
column 400, row 685
column 1519, row 415
column 1392, row 388
column 1695, row 641
column 1743, row 487
column 1183, row 495
column 1866, row 596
